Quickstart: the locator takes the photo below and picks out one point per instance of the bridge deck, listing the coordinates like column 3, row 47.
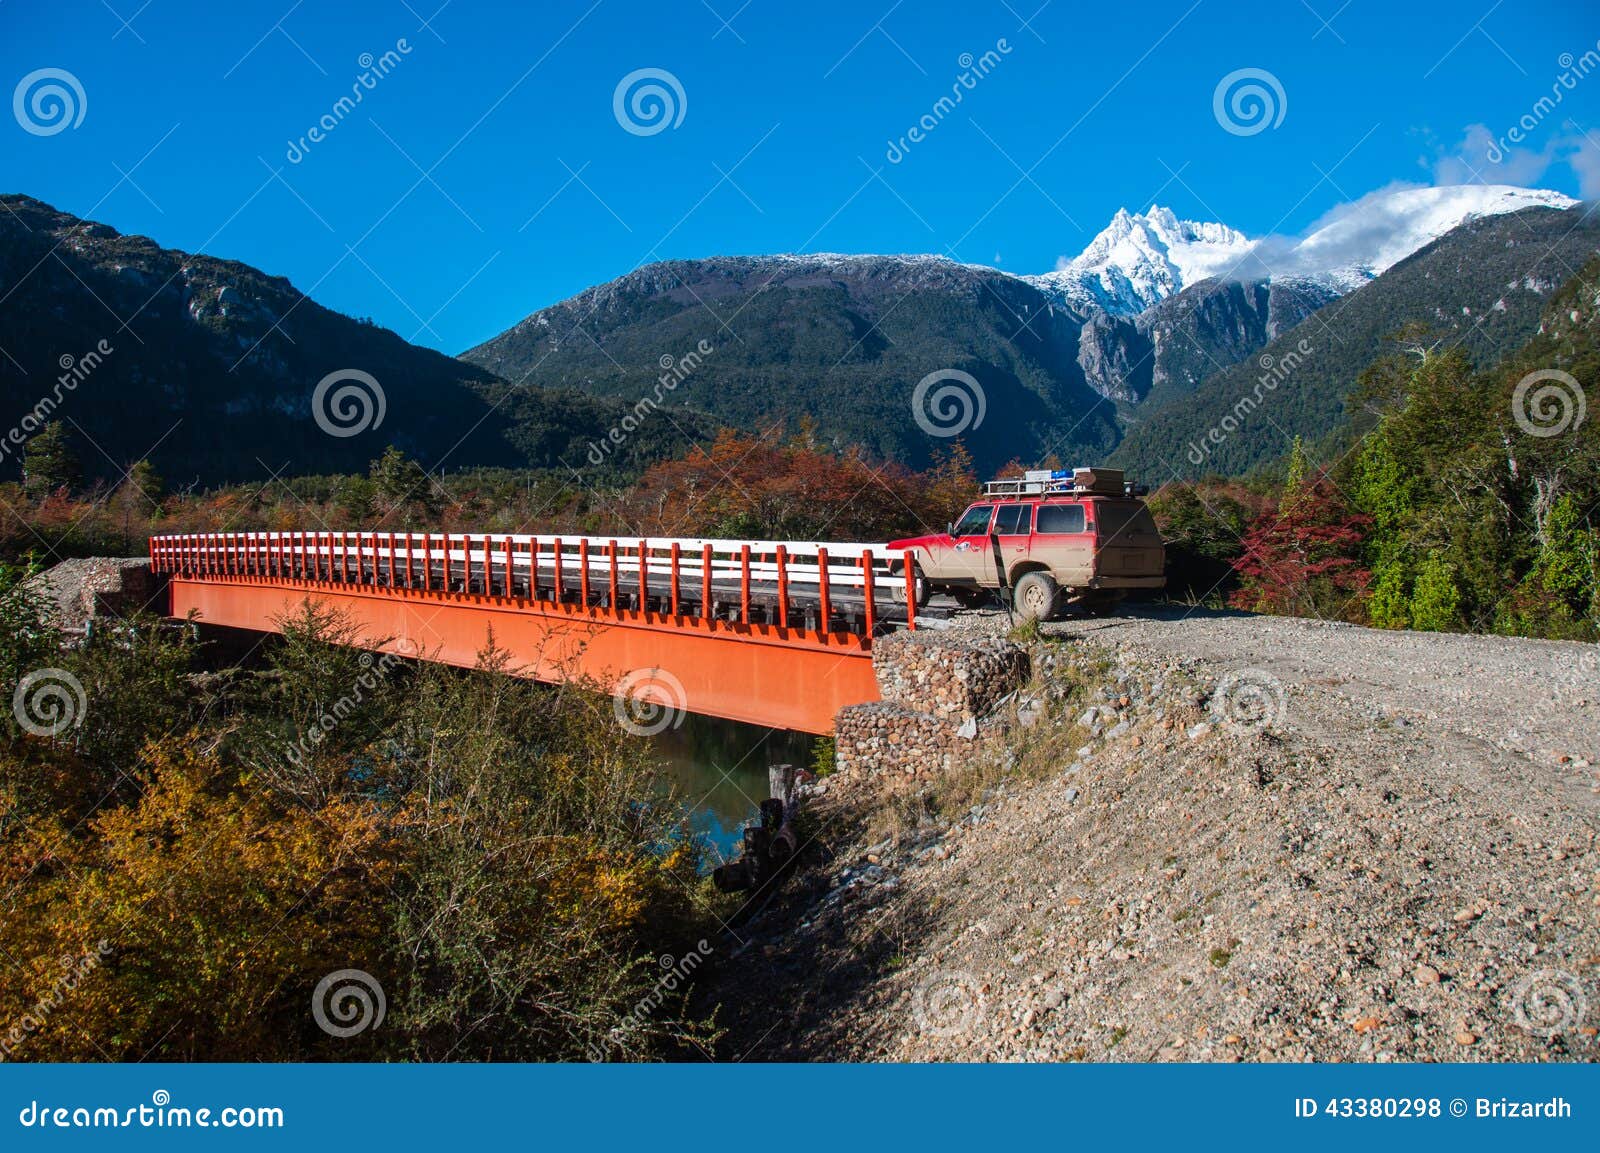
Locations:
column 771, row 632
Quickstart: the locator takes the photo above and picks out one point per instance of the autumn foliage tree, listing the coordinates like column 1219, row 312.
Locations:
column 1302, row 556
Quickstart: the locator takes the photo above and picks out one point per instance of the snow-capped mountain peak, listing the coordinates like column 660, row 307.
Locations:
column 1142, row 258
column 1359, row 241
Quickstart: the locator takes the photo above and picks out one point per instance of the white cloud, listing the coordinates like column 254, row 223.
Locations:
column 1482, row 158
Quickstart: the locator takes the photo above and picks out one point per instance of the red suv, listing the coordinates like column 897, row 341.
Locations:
column 1079, row 537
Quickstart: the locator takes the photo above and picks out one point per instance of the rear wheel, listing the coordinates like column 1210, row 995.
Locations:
column 1036, row 596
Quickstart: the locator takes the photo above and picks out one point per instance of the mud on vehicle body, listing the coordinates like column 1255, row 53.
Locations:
column 1080, row 538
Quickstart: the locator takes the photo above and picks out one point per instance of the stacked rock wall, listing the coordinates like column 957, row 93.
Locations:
column 936, row 690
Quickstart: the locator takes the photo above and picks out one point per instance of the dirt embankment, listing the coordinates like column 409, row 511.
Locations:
column 1213, row 838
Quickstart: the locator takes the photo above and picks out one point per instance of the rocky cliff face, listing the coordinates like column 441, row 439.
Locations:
column 1214, row 324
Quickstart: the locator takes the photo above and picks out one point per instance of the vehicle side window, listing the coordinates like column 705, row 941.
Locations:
column 975, row 521
column 1060, row 518
column 1013, row 519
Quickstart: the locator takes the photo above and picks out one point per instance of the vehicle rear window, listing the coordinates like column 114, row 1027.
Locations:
column 1122, row 518
column 1013, row 519
column 1060, row 518
column 975, row 521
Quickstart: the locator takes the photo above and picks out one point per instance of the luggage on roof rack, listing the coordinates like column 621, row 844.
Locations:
column 1043, row 481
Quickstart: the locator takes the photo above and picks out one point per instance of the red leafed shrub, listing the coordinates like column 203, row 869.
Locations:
column 1302, row 557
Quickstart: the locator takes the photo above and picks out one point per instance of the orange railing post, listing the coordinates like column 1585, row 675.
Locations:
column 783, row 588
column 506, row 552
column 824, row 609
column 611, row 551
column 583, row 569
column 705, row 582
column 911, row 592
column 644, row 576
column 674, row 578
column 555, row 551
column 868, row 593
column 744, row 583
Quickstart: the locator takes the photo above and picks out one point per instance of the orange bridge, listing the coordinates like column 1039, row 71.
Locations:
column 773, row 633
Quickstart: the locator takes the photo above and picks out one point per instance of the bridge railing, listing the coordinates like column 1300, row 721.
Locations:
column 747, row 581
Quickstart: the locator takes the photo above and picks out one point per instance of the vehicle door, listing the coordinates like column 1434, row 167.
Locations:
column 1013, row 526
column 1129, row 543
column 970, row 557
column 1063, row 539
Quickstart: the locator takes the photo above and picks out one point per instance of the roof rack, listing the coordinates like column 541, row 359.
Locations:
column 1044, row 481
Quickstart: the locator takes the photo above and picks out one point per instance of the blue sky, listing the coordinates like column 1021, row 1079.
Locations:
column 487, row 174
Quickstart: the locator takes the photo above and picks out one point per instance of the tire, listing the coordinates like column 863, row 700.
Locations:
column 897, row 587
column 1035, row 597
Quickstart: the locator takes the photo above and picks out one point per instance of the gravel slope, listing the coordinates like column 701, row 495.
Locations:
column 1274, row 839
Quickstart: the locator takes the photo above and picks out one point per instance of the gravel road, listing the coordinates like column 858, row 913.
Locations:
column 1269, row 839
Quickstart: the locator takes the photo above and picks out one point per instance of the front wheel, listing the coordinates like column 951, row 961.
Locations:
column 897, row 585
column 1035, row 597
